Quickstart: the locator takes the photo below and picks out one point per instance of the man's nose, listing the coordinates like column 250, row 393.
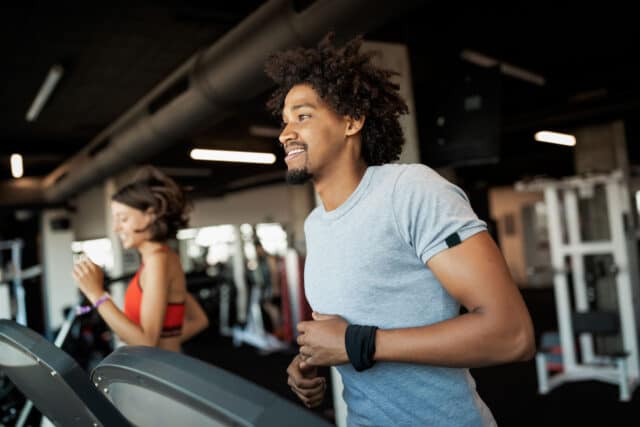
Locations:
column 287, row 134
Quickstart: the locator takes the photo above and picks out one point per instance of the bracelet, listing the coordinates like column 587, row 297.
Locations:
column 360, row 342
column 87, row 308
column 102, row 299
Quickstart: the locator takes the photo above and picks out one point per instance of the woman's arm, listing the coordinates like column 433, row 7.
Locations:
column 89, row 277
column 195, row 319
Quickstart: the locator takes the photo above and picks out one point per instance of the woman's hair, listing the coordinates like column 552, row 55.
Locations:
column 347, row 81
column 151, row 188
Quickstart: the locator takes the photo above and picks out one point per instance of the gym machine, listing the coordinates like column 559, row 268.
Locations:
column 135, row 385
column 13, row 273
column 594, row 252
column 52, row 380
column 154, row 387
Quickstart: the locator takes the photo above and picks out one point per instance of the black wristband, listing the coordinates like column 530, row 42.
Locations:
column 360, row 342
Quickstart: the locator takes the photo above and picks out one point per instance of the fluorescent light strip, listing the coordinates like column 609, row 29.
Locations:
column 555, row 138
column 233, row 156
column 483, row 60
column 17, row 169
column 50, row 82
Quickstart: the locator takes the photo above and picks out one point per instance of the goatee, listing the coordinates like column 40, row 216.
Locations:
column 298, row 176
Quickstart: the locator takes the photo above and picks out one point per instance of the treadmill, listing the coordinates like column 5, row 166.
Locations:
column 53, row 381
column 153, row 387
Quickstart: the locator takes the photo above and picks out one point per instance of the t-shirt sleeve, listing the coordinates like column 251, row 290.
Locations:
column 431, row 213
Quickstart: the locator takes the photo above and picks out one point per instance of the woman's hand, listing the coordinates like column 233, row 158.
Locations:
column 90, row 279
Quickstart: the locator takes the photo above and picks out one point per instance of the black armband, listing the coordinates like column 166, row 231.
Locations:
column 360, row 342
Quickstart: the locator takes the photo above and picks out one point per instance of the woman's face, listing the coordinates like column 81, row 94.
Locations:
column 128, row 223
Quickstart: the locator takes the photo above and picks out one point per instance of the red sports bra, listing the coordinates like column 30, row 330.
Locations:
column 172, row 325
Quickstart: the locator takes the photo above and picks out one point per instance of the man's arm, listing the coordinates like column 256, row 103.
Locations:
column 497, row 328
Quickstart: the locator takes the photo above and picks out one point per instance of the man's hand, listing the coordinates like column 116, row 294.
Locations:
column 321, row 341
column 306, row 383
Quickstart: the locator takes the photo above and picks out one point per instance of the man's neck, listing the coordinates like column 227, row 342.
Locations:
column 335, row 187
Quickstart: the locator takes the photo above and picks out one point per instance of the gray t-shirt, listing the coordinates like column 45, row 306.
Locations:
column 366, row 262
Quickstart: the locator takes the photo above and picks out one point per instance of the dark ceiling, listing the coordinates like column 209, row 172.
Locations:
column 112, row 56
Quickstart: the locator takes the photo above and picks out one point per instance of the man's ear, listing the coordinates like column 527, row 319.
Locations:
column 354, row 125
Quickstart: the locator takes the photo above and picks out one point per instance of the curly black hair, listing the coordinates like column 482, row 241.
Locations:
column 150, row 188
column 351, row 85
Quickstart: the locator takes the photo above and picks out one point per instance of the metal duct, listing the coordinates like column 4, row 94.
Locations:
column 226, row 74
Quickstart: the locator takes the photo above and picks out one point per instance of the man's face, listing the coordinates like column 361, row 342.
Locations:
column 312, row 136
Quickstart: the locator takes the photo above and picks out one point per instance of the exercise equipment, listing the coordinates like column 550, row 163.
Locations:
column 154, row 387
column 15, row 275
column 52, row 380
column 59, row 340
column 294, row 307
column 142, row 386
column 10, row 401
column 594, row 251
column 5, row 301
column 254, row 332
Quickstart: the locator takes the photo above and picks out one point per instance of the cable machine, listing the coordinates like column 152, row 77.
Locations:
column 595, row 277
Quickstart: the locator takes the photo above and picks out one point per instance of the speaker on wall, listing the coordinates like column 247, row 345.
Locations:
column 466, row 128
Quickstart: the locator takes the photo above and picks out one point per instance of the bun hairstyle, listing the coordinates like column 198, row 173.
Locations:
column 151, row 189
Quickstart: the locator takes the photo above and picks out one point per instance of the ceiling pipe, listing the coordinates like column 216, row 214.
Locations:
column 224, row 75
column 23, row 192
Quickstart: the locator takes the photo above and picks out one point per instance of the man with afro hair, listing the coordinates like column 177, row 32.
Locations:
column 392, row 252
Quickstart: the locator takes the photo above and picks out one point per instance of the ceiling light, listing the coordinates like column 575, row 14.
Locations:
column 17, row 169
column 485, row 61
column 233, row 156
column 50, row 82
column 555, row 138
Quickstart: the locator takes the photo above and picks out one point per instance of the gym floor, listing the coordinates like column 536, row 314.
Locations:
column 509, row 390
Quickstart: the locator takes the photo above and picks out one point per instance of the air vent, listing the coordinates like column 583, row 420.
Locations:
column 61, row 177
column 300, row 6
column 97, row 148
column 169, row 94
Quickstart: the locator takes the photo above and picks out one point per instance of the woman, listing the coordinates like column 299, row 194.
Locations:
column 159, row 311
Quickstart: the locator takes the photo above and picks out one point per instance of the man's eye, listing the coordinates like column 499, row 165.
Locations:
column 302, row 117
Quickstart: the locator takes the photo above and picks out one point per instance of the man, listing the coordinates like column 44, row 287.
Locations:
column 392, row 252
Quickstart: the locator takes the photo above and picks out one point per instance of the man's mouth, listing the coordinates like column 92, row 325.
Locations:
column 293, row 154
